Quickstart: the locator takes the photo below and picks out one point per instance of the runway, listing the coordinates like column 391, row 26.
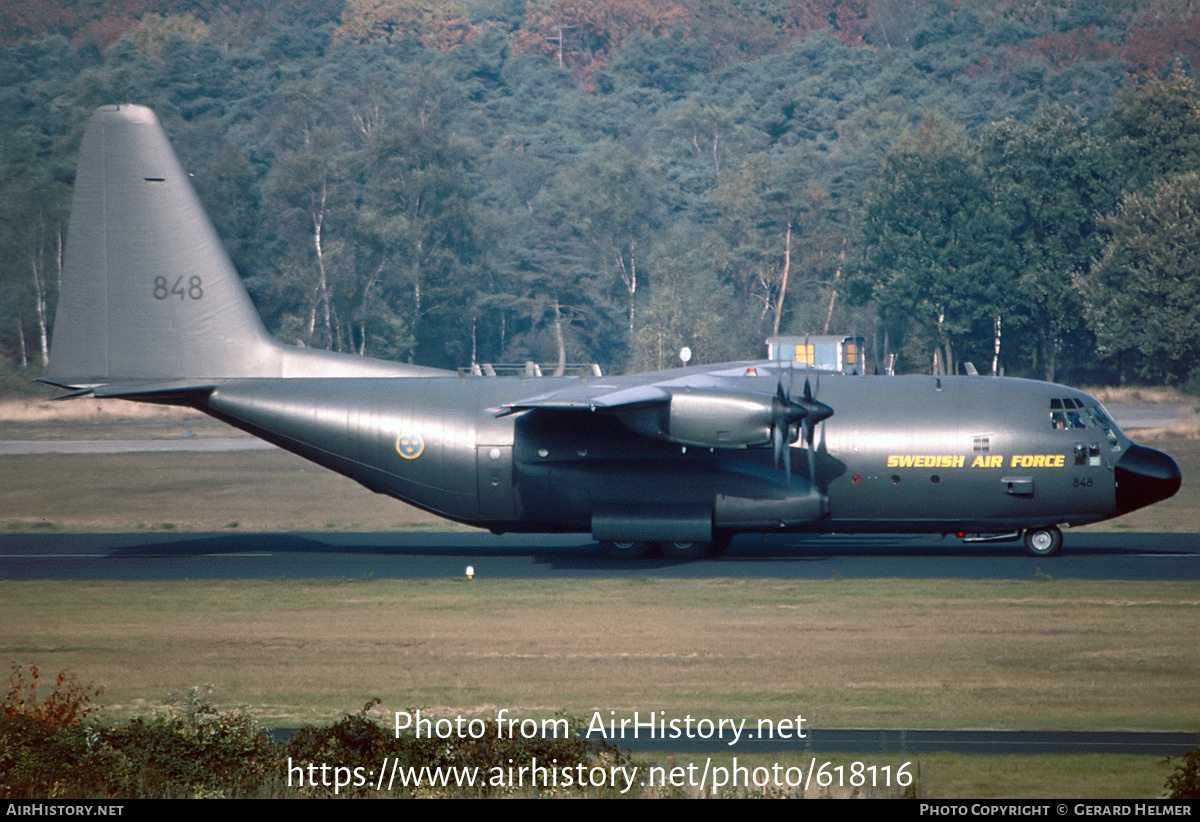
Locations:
column 446, row 554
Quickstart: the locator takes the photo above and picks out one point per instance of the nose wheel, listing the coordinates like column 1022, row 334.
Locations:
column 1043, row 542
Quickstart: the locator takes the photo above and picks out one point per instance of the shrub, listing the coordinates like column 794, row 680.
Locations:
column 67, row 704
column 1185, row 782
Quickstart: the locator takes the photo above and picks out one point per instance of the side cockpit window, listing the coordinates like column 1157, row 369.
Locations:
column 1100, row 419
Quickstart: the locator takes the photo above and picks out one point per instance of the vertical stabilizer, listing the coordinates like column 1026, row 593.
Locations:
column 148, row 291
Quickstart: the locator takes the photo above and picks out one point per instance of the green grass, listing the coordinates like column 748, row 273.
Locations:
column 1032, row 655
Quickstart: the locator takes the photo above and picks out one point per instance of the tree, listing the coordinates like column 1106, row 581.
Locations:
column 692, row 303
column 33, row 222
column 1142, row 297
column 1049, row 179
column 589, row 33
column 617, row 208
column 418, row 219
column 439, row 24
column 311, row 201
column 931, row 240
column 774, row 211
column 1155, row 130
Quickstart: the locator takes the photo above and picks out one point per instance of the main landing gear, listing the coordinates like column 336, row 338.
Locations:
column 678, row 551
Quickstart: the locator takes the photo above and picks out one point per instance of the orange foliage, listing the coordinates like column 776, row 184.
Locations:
column 847, row 20
column 437, row 24
column 68, row 702
column 1152, row 41
column 103, row 22
column 1062, row 49
column 593, row 30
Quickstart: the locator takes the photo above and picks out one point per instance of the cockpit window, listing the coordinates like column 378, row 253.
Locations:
column 1068, row 414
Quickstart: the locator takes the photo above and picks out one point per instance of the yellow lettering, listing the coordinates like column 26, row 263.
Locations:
column 1038, row 460
column 928, row 461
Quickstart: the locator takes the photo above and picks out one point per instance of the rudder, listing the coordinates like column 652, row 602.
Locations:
column 148, row 291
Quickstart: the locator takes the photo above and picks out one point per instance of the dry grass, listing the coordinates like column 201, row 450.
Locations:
column 1189, row 432
column 1139, row 394
column 248, row 490
column 888, row 653
column 90, row 411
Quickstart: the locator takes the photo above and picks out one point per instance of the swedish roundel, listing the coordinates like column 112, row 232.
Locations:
column 410, row 446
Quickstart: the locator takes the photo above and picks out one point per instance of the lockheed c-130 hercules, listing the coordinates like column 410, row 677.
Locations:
column 151, row 309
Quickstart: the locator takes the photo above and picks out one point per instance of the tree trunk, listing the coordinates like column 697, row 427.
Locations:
column 318, row 218
column 996, row 351
column 787, row 266
column 837, row 274
column 561, row 368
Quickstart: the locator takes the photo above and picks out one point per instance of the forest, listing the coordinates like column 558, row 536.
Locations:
column 1014, row 184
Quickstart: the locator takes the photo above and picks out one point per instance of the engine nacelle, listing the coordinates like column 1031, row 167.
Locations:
column 706, row 417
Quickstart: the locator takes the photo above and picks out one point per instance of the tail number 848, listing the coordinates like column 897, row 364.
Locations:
column 190, row 290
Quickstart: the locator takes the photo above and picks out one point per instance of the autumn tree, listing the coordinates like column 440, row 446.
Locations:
column 587, row 34
column 436, row 24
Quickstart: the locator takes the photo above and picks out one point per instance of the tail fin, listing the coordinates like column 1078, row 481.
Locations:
column 148, row 291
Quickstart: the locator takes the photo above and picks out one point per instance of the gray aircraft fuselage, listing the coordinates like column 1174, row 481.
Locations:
column 964, row 454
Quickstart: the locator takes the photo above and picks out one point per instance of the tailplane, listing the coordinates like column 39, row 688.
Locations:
column 148, row 291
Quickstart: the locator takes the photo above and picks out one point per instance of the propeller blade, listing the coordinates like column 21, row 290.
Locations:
column 815, row 413
column 785, row 413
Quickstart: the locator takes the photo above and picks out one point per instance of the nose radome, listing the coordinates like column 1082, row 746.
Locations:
column 1144, row 476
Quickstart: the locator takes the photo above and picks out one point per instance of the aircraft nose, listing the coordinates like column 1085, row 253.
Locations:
column 1144, row 476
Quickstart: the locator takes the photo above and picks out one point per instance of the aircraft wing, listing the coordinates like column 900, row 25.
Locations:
column 723, row 409
column 593, row 397
column 658, row 387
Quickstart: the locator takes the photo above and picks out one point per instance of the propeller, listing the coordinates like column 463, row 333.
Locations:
column 817, row 413
column 786, row 412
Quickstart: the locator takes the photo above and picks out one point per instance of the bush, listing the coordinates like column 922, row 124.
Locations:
column 1185, row 782
column 67, row 704
column 358, row 741
column 192, row 749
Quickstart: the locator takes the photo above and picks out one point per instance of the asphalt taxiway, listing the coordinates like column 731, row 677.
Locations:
column 446, row 554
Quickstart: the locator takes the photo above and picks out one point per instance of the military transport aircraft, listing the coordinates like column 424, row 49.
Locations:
column 678, row 461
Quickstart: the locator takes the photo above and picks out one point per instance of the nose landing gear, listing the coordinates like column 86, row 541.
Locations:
column 1043, row 542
